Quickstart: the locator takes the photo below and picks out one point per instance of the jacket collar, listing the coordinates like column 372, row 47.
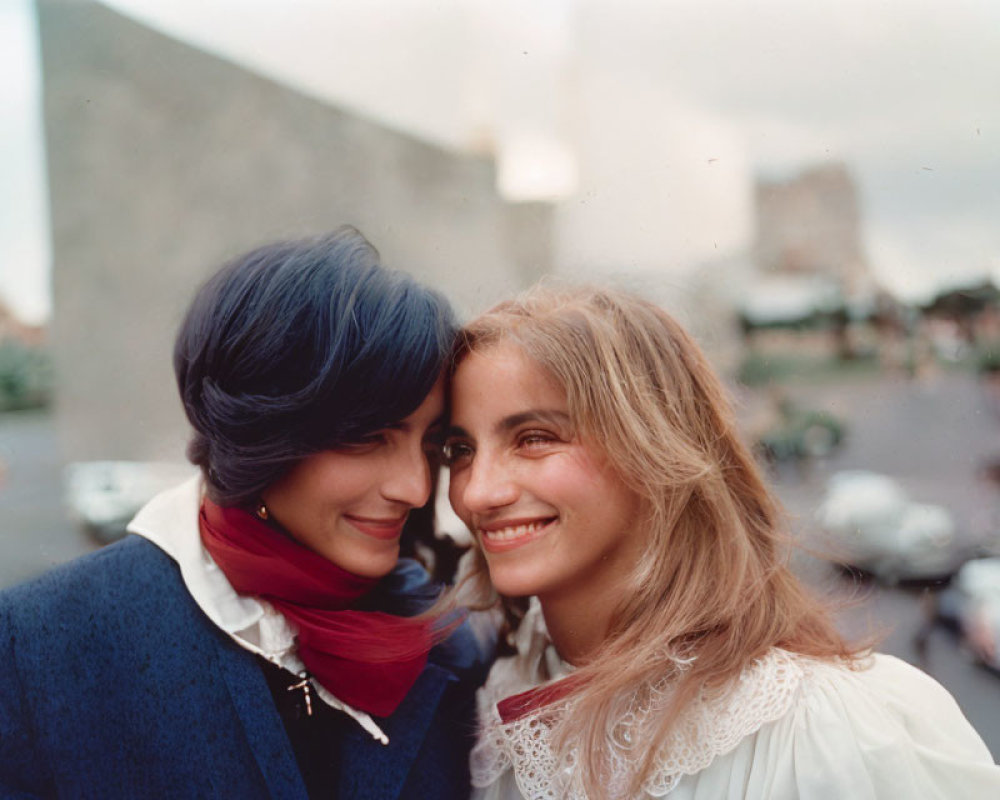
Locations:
column 170, row 521
column 377, row 771
column 262, row 726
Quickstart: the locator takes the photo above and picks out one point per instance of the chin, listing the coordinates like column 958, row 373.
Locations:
column 367, row 564
column 373, row 571
column 378, row 568
column 515, row 582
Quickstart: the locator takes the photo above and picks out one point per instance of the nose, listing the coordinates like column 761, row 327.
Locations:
column 485, row 485
column 407, row 476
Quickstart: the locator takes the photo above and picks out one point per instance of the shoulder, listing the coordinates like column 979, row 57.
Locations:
column 883, row 700
column 877, row 678
column 131, row 562
column 878, row 728
column 886, row 690
column 121, row 589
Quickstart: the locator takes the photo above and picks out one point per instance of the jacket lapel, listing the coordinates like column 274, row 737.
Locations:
column 264, row 732
column 373, row 771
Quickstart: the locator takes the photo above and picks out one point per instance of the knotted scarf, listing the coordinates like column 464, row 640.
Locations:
column 367, row 659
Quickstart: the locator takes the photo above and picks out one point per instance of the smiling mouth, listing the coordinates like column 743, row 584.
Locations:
column 510, row 536
column 384, row 529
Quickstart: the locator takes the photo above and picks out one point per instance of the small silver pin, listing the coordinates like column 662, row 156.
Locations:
column 306, row 691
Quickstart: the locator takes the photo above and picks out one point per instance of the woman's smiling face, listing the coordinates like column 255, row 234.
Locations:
column 551, row 516
column 349, row 505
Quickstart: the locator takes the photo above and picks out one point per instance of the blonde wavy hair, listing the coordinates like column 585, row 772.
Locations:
column 713, row 591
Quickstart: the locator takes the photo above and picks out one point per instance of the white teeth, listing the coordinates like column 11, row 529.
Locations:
column 513, row 532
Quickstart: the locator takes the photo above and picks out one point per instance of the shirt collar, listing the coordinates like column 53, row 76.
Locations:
column 170, row 521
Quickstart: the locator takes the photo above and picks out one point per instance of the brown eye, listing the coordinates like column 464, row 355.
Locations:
column 363, row 444
column 534, row 439
column 455, row 452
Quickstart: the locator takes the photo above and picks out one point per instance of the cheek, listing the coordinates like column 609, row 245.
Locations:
column 340, row 482
column 597, row 478
column 569, row 477
column 348, row 486
column 588, row 490
column 456, row 487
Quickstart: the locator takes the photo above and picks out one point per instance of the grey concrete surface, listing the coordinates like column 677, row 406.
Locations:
column 933, row 435
column 35, row 529
column 164, row 161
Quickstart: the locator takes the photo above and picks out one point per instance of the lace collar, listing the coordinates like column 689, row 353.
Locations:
column 170, row 521
column 711, row 726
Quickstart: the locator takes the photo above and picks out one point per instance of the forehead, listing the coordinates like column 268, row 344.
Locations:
column 503, row 377
column 432, row 406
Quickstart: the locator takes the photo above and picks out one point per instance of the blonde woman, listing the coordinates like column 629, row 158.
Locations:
column 667, row 648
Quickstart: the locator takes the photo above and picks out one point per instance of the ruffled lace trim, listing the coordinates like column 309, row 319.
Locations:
column 709, row 727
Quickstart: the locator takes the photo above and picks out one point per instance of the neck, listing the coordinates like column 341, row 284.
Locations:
column 578, row 614
column 576, row 627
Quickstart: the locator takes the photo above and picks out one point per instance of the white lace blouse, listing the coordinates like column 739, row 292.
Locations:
column 789, row 727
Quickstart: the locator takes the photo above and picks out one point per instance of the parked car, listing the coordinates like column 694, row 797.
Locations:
column 971, row 605
column 103, row 496
column 800, row 434
column 874, row 526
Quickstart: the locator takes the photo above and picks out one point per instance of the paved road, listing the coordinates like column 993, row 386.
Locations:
column 934, row 437
column 35, row 530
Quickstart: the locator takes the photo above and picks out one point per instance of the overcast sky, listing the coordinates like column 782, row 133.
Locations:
column 24, row 247
column 906, row 92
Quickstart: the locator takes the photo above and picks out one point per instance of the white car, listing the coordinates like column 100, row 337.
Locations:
column 873, row 525
column 103, row 496
column 972, row 601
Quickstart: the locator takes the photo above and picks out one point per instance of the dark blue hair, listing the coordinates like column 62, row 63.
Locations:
column 297, row 347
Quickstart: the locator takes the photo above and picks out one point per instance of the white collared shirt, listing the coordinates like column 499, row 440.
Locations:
column 170, row 521
column 788, row 726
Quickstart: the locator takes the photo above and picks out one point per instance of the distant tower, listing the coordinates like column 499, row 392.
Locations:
column 811, row 225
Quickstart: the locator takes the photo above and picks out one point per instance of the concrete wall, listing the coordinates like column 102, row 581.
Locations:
column 164, row 161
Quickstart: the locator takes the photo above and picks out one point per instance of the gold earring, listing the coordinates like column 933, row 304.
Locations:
column 262, row 511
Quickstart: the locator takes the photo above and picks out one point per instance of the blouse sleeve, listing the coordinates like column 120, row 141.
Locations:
column 886, row 731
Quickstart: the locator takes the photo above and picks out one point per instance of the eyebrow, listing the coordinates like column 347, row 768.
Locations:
column 505, row 425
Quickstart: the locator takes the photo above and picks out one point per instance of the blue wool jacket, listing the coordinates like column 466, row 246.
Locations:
column 114, row 684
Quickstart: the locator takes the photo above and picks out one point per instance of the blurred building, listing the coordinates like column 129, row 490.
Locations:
column 164, row 161
column 811, row 224
column 811, row 288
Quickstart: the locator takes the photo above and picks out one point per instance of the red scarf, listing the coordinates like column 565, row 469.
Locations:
column 367, row 659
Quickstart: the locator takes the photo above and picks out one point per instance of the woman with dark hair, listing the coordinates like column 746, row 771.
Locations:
column 259, row 635
column 666, row 650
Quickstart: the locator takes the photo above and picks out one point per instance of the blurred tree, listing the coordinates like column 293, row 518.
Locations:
column 26, row 376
